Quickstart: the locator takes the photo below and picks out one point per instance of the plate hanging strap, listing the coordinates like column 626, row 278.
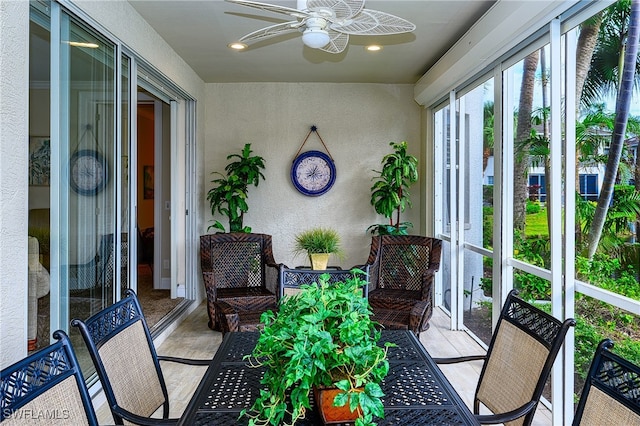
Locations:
column 313, row 129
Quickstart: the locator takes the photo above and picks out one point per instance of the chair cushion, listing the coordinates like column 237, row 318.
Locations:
column 247, row 298
column 394, row 294
column 391, row 319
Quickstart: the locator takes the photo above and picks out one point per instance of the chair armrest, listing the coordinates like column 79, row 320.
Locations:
column 417, row 315
column 427, row 282
column 455, row 360
column 188, row 361
column 144, row 421
column 493, row 419
column 272, row 277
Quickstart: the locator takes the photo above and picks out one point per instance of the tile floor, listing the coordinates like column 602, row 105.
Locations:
column 193, row 339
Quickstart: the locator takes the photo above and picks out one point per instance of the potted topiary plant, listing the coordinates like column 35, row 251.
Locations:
column 322, row 337
column 229, row 195
column 389, row 193
column 318, row 244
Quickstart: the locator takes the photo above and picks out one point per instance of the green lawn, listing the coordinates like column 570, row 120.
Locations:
column 537, row 224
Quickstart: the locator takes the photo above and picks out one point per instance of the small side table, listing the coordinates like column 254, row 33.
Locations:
column 292, row 279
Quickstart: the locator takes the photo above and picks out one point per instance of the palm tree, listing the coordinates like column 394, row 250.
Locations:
column 523, row 133
column 604, row 76
column 623, row 103
column 487, row 133
column 584, row 52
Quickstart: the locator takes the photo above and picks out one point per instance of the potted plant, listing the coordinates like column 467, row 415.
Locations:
column 318, row 244
column 322, row 337
column 390, row 191
column 229, row 195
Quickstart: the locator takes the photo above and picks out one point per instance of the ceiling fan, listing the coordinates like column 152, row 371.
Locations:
column 327, row 24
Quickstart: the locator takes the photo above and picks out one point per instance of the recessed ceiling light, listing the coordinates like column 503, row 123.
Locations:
column 236, row 45
column 373, row 48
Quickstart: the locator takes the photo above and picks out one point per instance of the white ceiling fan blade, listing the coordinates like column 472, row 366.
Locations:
column 273, row 30
column 338, row 42
column 272, row 8
column 343, row 9
column 374, row 22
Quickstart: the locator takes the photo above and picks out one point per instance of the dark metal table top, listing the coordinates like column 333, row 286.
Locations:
column 416, row 390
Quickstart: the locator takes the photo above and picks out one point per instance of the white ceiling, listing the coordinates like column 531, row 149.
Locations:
column 199, row 32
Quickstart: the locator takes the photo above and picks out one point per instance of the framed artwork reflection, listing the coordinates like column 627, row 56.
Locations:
column 147, row 182
column 40, row 161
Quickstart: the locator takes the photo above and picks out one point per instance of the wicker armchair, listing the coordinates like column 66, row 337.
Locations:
column 91, row 274
column 401, row 272
column 518, row 362
column 48, row 382
column 611, row 393
column 127, row 364
column 239, row 273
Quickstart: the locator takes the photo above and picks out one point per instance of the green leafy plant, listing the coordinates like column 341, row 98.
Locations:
column 318, row 240
column 389, row 193
column 229, row 194
column 322, row 336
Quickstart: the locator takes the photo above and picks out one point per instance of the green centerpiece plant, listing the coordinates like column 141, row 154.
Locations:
column 318, row 244
column 319, row 338
column 229, row 194
column 390, row 191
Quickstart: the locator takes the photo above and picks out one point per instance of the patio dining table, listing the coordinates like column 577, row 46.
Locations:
column 416, row 390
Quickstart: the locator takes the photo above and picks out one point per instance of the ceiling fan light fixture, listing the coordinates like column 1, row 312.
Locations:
column 315, row 38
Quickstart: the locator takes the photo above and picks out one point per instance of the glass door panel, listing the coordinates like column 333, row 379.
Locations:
column 84, row 203
column 90, row 165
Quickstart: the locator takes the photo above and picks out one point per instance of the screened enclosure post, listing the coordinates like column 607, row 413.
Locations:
column 567, row 355
column 453, row 215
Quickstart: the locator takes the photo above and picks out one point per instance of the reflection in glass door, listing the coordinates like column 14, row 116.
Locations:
column 87, row 157
column 86, row 202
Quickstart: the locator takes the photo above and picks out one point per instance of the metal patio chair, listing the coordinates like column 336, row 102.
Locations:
column 47, row 387
column 611, row 393
column 127, row 364
column 521, row 353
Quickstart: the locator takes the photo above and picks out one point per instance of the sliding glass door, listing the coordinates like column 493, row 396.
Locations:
column 78, row 172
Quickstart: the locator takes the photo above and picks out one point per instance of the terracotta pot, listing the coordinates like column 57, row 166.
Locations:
column 328, row 412
column 319, row 261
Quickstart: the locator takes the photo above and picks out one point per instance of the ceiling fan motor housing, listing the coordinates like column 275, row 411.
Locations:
column 315, row 36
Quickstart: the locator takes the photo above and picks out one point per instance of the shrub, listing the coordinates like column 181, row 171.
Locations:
column 533, row 207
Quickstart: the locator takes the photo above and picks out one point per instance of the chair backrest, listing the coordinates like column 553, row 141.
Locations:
column 237, row 259
column 611, row 393
column 521, row 353
column 125, row 358
column 401, row 262
column 47, row 387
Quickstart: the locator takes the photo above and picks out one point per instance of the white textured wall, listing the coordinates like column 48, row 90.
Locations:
column 14, row 124
column 356, row 122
